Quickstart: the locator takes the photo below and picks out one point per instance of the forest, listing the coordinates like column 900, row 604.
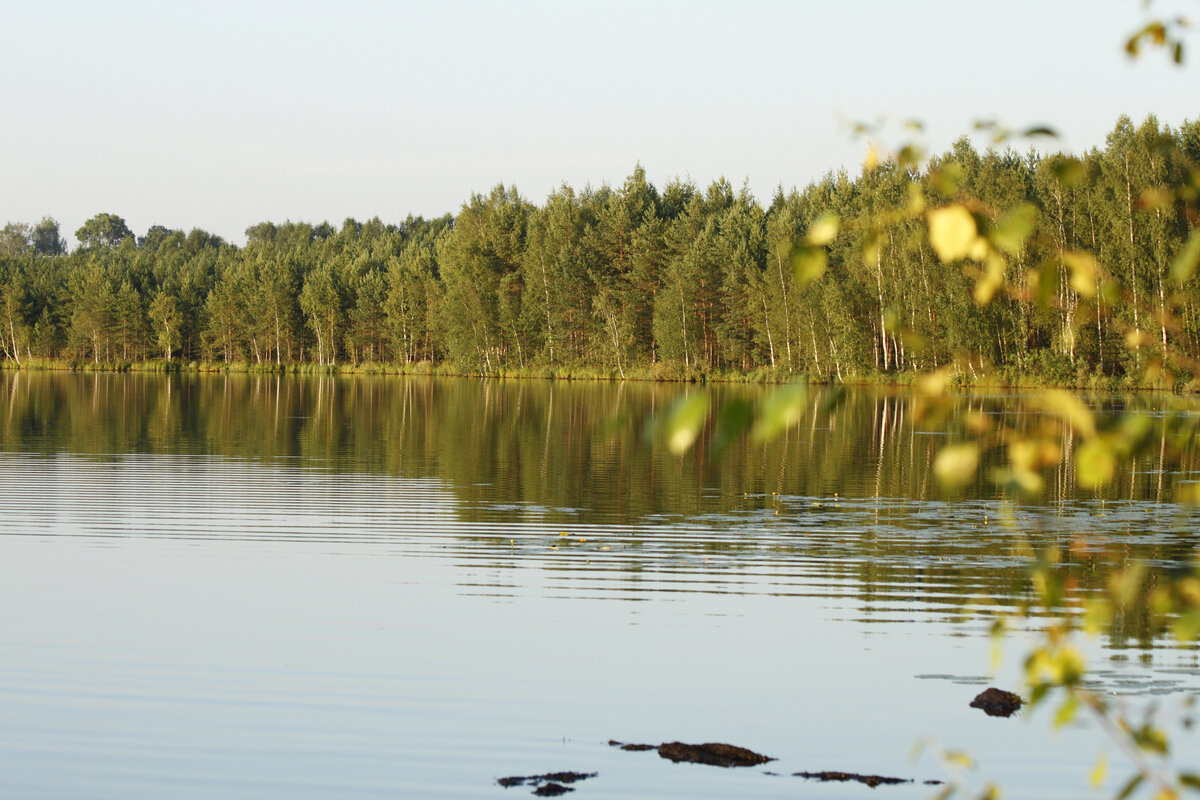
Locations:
column 635, row 281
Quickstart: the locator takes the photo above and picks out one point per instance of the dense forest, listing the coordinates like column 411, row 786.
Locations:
column 637, row 281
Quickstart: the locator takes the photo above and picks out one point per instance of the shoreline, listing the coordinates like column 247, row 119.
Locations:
column 658, row 374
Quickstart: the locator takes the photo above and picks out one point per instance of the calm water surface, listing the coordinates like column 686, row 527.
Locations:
column 306, row 588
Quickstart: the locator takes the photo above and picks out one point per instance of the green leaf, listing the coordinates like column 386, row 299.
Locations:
column 910, row 156
column 1040, row 130
column 1014, row 228
column 780, row 410
column 1183, row 267
column 945, row 179
column 833, row 397
column 1130, row 786
column 1190, row 780
column 1068, row 170
column 1187, row 627
column 684, row 421
column 734, row 418
column 808, row 263
column 1066, row 712
column 1095, row 464
column 1151, row 739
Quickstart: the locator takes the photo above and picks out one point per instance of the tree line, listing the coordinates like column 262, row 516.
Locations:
column 673, row 283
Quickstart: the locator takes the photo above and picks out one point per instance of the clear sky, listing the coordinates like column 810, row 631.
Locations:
column 223, row 114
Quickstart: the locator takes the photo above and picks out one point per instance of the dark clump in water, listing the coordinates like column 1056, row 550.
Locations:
column 869, row 780
column 714, row 753
column 548, row 785
column 997, row 702
column 633, row 748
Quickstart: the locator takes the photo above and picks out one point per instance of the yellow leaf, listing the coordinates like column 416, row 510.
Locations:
column 979, row 249
column 956, row 465
column 916, row 198
column 1083, row 269
column 1099, row 772
column 1097, row 614
column 823, row 229
column 952, row 232
column 872, row 159
column 1023, row 453
column 1135, row 339
column 1063, row 404
column 1095, row 465
column 934, row 384
column 993, row 278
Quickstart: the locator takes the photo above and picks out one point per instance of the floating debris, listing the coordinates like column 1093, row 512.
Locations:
column 633, row 748
column 717, row 754
column 869, row 780
column 548, row 785
column 997, row 702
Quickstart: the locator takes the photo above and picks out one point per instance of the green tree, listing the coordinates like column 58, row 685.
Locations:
column 321, row 300
column 164, row 311
column 46, row 239
column 14, row 239
column 103, row 231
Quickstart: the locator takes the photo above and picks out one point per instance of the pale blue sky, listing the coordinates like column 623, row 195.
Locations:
column 224, row 114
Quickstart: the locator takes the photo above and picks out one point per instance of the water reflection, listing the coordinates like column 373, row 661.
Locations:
column 284, row 587
column 559, row 477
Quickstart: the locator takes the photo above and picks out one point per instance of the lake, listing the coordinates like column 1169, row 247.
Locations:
column 291, row 587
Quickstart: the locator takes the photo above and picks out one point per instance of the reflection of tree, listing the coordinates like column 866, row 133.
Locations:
column 571, row 452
